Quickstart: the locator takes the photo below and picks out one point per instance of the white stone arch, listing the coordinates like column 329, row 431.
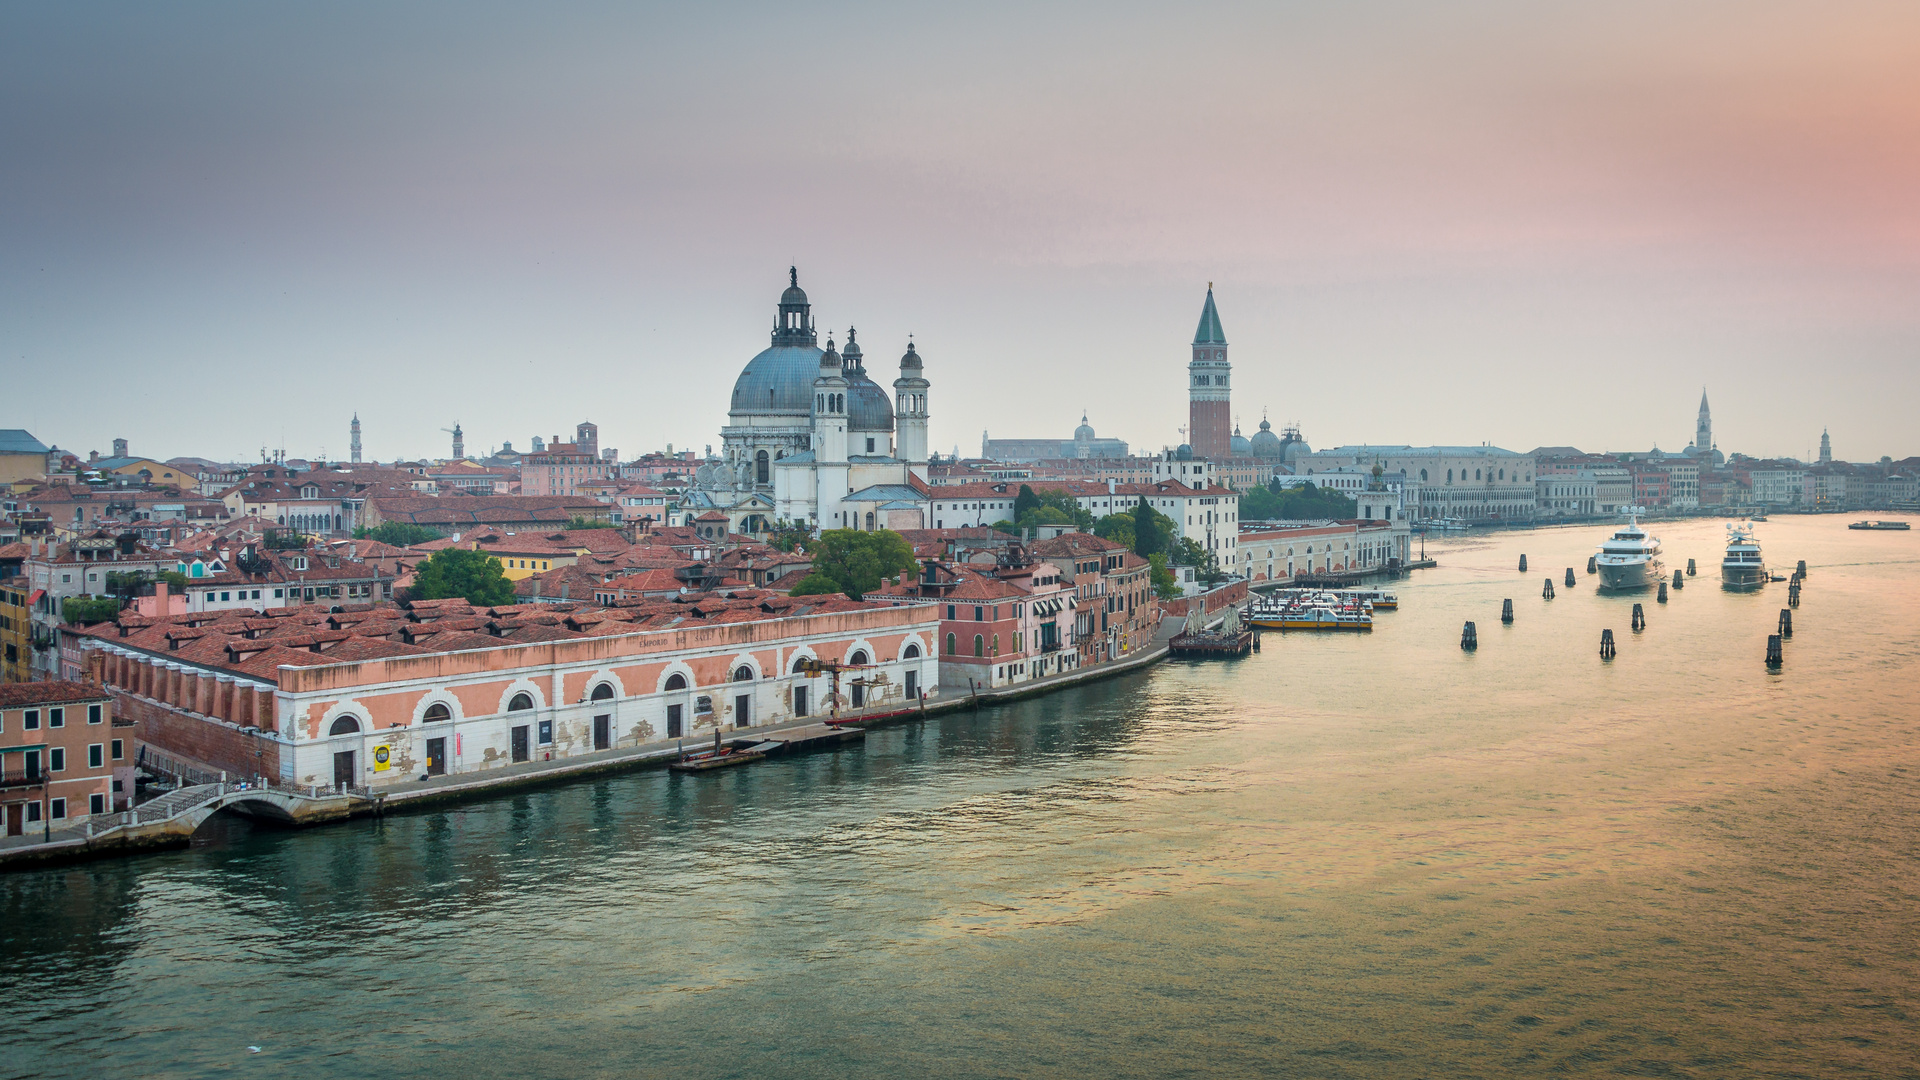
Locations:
column 914, row 638
column 857, row 644
column 748, row 661
column 349, row 707
column 436, row 697
column 804, row 652
column 605, row 675
column 522, row 686
column 678, row 667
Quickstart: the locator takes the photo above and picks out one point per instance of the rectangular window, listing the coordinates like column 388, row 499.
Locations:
column 32, row 764
column 96, row 803
column 979, row 613
column 59, row 809
column 546, row 732
column 33, row 811
column 57, row 759
column 279, row 594
column 96, row 755
column 56, row 718
column 119, row 749
column 93, row 714
column 226, row 596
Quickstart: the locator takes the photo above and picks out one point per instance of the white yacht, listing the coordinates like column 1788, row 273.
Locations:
column 1742, row 567
column 1630, row 558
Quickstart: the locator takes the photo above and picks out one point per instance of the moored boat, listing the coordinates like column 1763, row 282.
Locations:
column 1630, row 558
column 1876, row 524
column 1742, row 567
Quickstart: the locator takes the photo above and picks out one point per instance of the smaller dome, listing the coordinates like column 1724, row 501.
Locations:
column 851, row 354
column 910, row 360
column 1083, row 433
column 1185, row 453
column 1238, row 446
column 795, row 296
column 830, row 360
column 1265, row 444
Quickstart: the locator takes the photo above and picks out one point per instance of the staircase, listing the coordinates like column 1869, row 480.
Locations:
column 172, row 803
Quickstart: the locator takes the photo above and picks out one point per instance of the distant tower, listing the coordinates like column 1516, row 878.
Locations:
column 830, row 409
column 910, row 410
column 1826, row 448
column 459, row 442
column 539, row 444
column 354, row 444
column 1703, row 428
column 587, row 438
column 1209, row 404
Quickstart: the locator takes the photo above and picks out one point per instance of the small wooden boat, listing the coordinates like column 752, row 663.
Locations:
column 721, row 756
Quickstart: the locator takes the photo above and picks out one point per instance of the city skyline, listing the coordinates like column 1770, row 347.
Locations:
column 1422, row 228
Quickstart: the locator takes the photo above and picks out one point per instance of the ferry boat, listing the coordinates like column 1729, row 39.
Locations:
column 1742, row 567
column 1880, row 525
column 1630, row 558
column 1315, row 611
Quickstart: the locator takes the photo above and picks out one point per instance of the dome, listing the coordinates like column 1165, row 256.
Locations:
column 1238, row 446
column 1265, row 444
column 869, row 408
column 1294, row 448
column 795, row 296
column 1083, row 433
column 779, row 380
column 1185, row 453
column 851, row 354
column 910, row 360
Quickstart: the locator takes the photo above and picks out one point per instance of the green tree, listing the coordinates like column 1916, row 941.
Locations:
column 1115, row 527
column 788, row 535
column 1149, row 536
column 815, row 584
column 856, row 562
column 1024, row 502
column 1304, row 502
column 397, row 533
column 578, row 522
column 1187, row 551
column 1164, row 584
column 473, row 575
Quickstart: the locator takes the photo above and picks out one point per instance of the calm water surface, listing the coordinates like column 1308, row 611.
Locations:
column 1345, row 857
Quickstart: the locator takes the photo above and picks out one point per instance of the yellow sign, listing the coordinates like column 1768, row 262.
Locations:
column 380, row 756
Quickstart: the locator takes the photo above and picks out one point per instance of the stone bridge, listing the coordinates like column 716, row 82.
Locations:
column 180, row 813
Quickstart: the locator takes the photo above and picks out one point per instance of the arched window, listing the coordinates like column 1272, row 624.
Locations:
column 743, row 673
column 520, row 703
column 345, row 725
column 603, row 692
column 1423, row 476
column 676, row 681
column 1449, row 476
column 859, row 657
column 797, row 661
column 979, row 645
column 436, row 712
column 762, row 468
column 911, row 652
column 951, row 647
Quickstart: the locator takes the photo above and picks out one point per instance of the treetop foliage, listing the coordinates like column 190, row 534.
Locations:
column 473, row 575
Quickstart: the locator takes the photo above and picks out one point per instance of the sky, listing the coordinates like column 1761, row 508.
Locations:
column 225, row 227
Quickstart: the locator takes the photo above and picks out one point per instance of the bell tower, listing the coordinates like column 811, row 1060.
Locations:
column 1209, row 389
column 910, row 411
column 1703, row 427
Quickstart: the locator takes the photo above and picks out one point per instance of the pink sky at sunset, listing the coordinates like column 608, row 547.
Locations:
column 1516, row 223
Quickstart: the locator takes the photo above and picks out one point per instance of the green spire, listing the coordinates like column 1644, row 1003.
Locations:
column 1209, row 332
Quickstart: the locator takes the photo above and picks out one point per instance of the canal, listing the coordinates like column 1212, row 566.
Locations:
column 1346, row 856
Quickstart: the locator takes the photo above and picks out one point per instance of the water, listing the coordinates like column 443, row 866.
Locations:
column 1348, row 856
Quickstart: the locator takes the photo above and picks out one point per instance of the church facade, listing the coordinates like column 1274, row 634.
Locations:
column 811, row 438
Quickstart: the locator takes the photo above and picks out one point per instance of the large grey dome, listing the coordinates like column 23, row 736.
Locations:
column 1238, row 446
column 1265, row 444
column 779, row 380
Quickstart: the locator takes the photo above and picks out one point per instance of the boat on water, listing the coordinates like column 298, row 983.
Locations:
column 720, row 756
column 1742, row 567
column 1630, row 558
column 1876, row 524
column 1230, row 638
column 1313, row 611
column 1380, row 599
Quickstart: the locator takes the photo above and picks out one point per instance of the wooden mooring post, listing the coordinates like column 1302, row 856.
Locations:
column 1606, row 644
column 1569, row 577
column 1786, row 623
column 1773, row 650
column 1690, row 570
column 1469, row 640
column 1802, row 568
column 1639, row 618
column 1793, row 595
column 1678, row 581
column 1663, row 593
column 1523, row 564
column 1506, row 612
column 1546, row 591
column 1593, row 564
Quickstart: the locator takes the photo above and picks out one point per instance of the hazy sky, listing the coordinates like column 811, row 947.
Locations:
column 228, row 226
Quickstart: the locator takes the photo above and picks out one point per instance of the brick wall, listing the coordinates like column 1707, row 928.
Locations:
column 214, row 744
column 1231, row 593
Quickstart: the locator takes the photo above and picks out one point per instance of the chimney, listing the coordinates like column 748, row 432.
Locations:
column 159, row 601
column 1110, row 484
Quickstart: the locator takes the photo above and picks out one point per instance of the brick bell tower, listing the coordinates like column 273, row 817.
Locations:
column 1209, row 389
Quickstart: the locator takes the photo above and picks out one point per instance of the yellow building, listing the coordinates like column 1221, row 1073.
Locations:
column 22, row 457
column 145, row 470
column 16, row 622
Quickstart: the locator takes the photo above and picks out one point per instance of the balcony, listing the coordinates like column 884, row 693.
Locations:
column 8, row 783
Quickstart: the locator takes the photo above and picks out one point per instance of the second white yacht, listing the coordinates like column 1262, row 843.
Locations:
column 1742, row 568
column 1630, row 558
